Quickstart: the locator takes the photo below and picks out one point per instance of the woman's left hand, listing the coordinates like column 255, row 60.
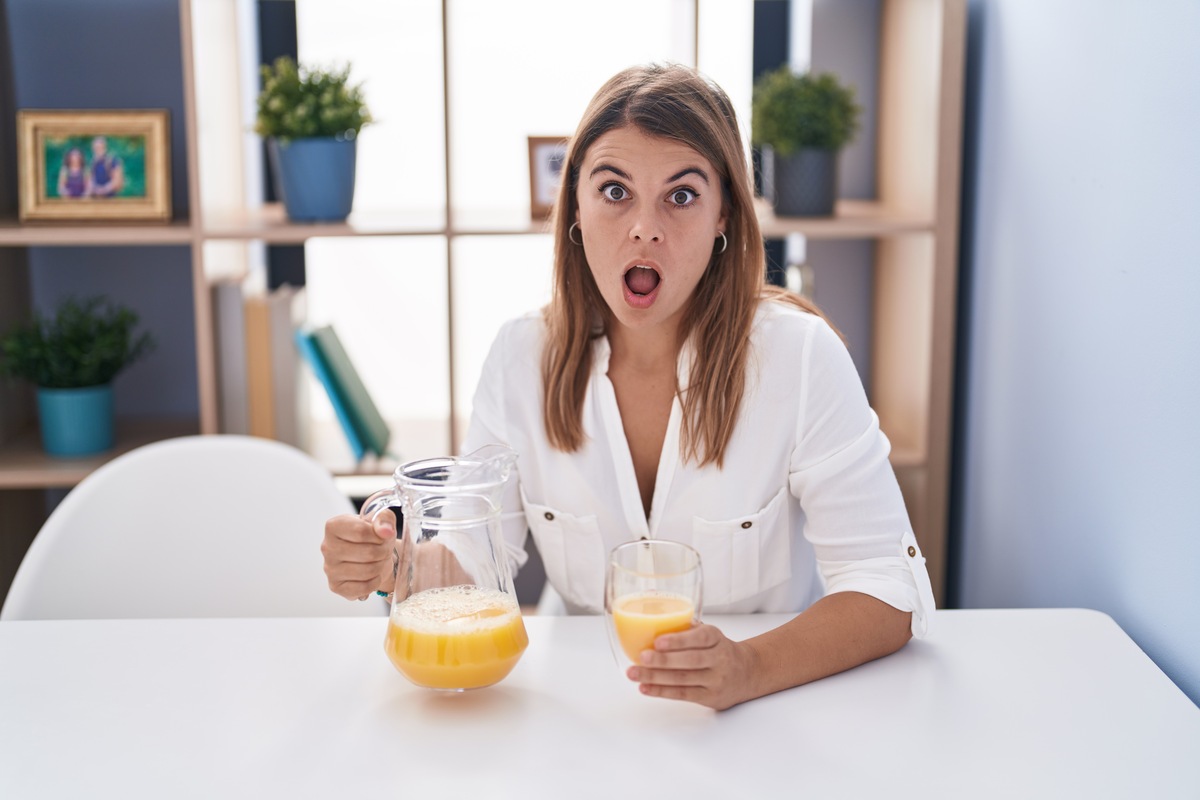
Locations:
column 701, row 665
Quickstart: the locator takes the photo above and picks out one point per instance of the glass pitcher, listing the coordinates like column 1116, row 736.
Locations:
column 455, row 623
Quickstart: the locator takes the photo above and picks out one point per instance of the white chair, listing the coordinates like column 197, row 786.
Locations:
column 198, row 526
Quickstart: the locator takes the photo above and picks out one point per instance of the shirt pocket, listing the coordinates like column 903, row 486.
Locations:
column 746, row 555
column 572, row 553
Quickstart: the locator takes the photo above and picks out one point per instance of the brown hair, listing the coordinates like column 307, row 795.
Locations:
column 673, row 102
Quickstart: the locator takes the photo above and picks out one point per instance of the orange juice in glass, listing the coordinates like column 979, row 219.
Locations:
column 639, row 619
column 456, row 637
column 652, row 587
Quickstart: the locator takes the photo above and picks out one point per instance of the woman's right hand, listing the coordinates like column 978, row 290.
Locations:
column 360, row 556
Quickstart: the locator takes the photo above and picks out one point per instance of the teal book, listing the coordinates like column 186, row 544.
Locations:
column 364, row 416
column 307, row 343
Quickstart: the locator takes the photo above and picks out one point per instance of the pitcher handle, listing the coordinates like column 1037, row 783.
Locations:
column 384, row 498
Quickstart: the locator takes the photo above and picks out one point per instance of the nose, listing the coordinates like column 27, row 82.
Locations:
column 646, row 226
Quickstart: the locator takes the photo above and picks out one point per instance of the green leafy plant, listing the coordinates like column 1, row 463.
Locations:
column 790, row 111
column 300, row 102
column 86, row 343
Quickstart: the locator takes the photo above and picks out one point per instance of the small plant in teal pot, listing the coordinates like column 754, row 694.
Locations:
column 72, row 358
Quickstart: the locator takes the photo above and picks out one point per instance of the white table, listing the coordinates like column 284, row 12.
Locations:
column 1004, row 704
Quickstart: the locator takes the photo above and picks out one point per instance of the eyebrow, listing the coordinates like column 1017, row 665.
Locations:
column 623, row 174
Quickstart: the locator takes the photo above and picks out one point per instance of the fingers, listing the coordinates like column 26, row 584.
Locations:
column 693, row 694
column 679, row 659
column 699, row 637
column 358, row 559
column 385, row 525
column 700, row 665
column 351, row 528
column 354, row 590
column 669, row 677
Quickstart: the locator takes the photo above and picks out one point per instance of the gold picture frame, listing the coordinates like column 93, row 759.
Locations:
column 546, row 157
column 94, row 165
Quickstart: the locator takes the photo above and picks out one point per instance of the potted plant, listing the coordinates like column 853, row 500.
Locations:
column 803, row 121
column 72, row 359
column 311, row 119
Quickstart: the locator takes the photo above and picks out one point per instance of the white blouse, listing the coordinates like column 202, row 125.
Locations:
column 806, row 503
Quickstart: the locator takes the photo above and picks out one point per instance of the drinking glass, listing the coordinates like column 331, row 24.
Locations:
column 651, row 587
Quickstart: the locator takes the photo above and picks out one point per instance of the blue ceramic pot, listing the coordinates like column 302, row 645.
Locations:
column 806, row 183
column 76, row 422
column 314, row 177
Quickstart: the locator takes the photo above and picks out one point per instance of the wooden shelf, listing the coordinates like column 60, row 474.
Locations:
column 270, row 224
column 852, row 219
column 24, row 465
column 20, row 234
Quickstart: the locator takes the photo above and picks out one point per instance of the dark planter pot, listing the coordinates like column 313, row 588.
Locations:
column 76, row 422
column 314, row 177
column 805, row 183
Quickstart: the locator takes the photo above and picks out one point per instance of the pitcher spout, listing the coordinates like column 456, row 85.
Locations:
column 492, row 462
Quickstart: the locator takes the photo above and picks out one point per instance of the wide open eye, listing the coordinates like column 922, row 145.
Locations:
column 614, row 192
column 683, row 197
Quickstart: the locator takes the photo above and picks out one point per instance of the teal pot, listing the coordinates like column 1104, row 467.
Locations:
column 805, row 183
column 314, row 177
column 76, row 422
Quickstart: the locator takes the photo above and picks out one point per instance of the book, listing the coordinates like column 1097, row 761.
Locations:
column 286, row 312
column 229, row 333
column 313, row 354
column 364, row 415
column 257, row 361
column 259, row 390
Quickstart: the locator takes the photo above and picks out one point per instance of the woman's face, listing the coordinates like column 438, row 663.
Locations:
column 74, row 159
column 650, row 210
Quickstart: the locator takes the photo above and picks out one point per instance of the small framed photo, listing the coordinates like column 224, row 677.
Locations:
column 547, row 154
column 94, row 165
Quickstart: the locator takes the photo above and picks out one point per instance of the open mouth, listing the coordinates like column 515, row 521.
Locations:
column 642, row 280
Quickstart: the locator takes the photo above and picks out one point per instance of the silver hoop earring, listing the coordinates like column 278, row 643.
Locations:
column 572, row 229
column 724, row 242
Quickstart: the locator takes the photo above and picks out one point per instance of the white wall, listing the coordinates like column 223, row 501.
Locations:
column 1081, row 444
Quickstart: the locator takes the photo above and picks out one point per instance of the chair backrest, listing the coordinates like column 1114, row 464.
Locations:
column 197, row 526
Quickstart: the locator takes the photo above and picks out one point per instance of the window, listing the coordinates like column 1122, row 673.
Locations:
column 391, row 298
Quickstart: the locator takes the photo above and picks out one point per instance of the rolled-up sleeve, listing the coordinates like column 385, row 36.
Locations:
column 488, row 427
column 855, row 516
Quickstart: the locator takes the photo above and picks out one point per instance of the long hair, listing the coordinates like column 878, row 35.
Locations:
column 673, row 102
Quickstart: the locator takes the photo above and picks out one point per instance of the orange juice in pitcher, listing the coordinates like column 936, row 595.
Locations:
column 455, row 623
column 456, row 637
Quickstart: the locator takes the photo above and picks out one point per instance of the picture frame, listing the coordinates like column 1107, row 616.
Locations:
column 77, row 165
column 546, row 157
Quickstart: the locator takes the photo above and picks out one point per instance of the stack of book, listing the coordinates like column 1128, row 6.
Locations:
column 261, row 340
column 258, row 366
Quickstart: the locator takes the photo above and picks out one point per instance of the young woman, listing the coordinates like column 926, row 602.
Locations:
column 667, row 392
column 73, row 178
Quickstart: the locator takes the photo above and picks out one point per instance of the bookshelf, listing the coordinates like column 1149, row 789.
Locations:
column 914, row 222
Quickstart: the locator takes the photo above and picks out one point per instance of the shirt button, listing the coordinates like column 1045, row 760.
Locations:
column 549, row 517
column 746, row 524
column 912, row 551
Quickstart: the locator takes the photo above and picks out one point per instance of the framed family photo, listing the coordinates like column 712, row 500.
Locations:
column 546, row 157
column 94, row 165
